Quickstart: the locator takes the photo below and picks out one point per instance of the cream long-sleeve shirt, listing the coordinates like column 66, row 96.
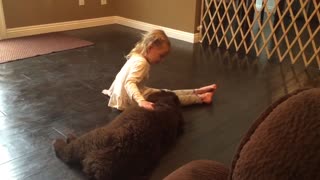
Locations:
column 129, row 84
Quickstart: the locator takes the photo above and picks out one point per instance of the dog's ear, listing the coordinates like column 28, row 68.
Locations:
column 175, row 99
column 171, row 99
column 155, row 97
column 164, row 97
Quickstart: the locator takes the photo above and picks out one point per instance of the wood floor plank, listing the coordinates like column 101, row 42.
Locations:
column 46, row 97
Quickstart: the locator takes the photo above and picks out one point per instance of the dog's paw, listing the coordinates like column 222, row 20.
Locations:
column 70, row 138
column 59, row 144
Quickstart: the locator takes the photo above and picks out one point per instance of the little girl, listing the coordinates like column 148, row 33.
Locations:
column 129, row 85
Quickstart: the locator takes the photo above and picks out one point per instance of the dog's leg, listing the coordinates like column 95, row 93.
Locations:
column 58, row 146
column 97, row 165
column 70, row 137
column 65, row 151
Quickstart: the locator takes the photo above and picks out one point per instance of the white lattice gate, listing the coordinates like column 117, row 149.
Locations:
column 282, row 28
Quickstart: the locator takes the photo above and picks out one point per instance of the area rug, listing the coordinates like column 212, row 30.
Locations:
column 25, row 47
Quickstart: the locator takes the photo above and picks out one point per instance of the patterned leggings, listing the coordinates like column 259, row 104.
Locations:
column 186, row 96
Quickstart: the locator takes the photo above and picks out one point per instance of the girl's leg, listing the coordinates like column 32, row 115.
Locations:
column 201, row 90
column 204, row 89
column 189, row 97
column 186, row 100
column 182, row 92
column 147, row 91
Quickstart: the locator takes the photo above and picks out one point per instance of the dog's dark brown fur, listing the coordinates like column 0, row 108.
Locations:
column 129, row 145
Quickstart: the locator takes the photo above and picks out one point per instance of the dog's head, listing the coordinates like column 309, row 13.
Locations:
column 164, row 97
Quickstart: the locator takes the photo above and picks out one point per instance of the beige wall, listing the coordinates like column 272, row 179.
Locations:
column 20, row 13
column 176, row 14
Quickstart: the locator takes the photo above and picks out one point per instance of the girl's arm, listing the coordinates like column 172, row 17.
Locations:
column 138, row 72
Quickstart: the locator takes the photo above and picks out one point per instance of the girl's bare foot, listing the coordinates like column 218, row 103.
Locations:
column 206, row 97
column 205, row 89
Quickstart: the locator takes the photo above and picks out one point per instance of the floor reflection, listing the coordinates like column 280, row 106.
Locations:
column 6, row 168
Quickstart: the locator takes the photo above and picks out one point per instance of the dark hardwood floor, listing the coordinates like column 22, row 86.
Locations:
column 44, row 97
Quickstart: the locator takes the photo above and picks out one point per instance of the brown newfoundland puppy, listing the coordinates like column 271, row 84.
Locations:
column 128, row 146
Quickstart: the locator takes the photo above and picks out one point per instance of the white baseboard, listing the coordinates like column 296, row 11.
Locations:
column 72, row 25
column 56, row 27
column 173, row 33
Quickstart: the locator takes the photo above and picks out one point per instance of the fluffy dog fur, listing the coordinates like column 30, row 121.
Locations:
column 129, row 145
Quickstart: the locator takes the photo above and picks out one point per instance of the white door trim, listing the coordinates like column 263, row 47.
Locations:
column 2, row 22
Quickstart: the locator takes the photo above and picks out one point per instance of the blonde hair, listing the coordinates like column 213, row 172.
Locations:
column 156, row 37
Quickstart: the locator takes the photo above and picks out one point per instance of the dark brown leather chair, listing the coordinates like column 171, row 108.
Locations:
column 282, row 144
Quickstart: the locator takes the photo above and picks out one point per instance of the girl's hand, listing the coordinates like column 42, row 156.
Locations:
column 147, row 105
